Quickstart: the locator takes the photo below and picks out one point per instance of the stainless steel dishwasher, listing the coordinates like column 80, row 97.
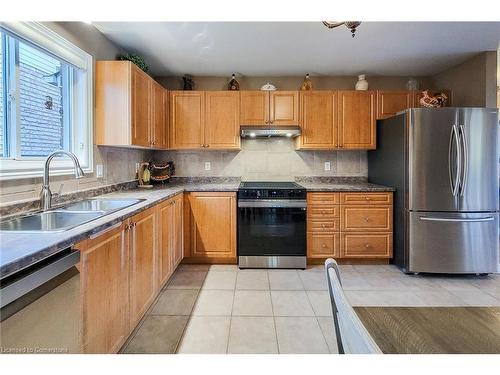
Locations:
column 40, row 307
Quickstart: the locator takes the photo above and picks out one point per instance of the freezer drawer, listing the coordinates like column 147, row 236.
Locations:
column 441, row 242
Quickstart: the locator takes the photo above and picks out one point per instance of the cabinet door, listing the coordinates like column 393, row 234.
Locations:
column 178, row 225
column 321, row 245
column 141, row 108
column 104, row 288
column 212, row 225
column 318, row 120
column 366, row 245
column 356, row 119
column 165, row 240
column 186, row 119
column 142, row 264
column 391, row 102
column 159, row 123
column 254, row 108
column 222, row 119
column 284, row 107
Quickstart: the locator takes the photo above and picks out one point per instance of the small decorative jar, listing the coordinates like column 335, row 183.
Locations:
column 412, row 84
column 362, row 83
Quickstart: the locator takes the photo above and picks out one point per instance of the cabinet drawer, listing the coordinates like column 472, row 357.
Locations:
column 366, row 198
column 363, row 245
column 323, row 212
column 323, row 245
column 374, row 218
column 323, row 226
column 323, row 198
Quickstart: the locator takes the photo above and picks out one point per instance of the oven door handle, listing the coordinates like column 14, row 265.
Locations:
column 272, row 203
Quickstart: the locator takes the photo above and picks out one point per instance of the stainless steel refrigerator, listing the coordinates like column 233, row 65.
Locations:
column 444, row 163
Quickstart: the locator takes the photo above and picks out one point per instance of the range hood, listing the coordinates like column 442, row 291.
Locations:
column 249, row 131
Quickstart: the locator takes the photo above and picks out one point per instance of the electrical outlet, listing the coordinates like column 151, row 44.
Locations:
column 137, row 166
column 99, row 170
column 328, row 166
column 208, row 166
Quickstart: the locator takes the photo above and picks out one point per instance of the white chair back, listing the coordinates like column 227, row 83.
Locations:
column 352, row 336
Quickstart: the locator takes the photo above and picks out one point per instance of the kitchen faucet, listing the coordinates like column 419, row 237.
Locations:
column 46, row 194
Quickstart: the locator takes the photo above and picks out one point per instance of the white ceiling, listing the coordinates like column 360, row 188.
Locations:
column 295, row 48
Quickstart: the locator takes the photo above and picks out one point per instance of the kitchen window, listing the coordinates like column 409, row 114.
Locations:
column 45, row 101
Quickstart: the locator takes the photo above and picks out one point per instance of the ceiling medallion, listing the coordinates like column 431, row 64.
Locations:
column 352, row 25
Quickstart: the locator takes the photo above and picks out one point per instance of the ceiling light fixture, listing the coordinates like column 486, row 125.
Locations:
column 351, row 25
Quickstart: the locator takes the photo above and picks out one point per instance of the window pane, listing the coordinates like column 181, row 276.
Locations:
column 2, row 97
column 40, row 102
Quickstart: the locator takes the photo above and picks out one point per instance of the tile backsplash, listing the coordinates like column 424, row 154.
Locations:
column 267, row 159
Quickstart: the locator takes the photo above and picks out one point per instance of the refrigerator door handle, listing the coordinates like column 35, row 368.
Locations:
column 471, row 220
column 454, row 184
column 465, row 159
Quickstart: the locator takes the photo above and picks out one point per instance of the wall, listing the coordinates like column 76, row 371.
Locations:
column 472, row 82
column 267, row 159
column 119, row 164
column 294, row 83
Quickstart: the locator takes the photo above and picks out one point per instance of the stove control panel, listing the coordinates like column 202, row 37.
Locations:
column 272, row 194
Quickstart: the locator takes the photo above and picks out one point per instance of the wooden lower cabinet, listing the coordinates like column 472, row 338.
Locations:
column 366, row 245
column 321, row 245
column 170, row 237
column 349, row 225
column 143, row 260
column 122, row 269
column 104, row 273
column 210, row 227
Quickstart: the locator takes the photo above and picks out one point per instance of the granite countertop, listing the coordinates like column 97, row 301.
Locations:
column 333, row 184
column 20, row 250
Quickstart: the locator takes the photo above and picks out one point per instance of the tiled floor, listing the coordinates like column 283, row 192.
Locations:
column 220, row 309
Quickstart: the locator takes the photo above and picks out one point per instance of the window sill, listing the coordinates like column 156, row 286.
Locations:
column 17, row 169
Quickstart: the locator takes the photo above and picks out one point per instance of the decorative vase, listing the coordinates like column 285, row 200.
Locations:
column 233, row 84
column 268, row 87
column 362, row 83
column 307, row 84
column 412, row 84
column 188, row 82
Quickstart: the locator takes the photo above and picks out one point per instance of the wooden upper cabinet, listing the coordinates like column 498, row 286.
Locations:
column 186, row 119
column 391, row 102
column 126, row 102
column 141, row 108
column 159, row 127
column 104, row 276
column 356, row 119
column 254, row 107
column 318, row 120
column 143, row 259
column 284, row 108
column 222, row 122
column 210, row 225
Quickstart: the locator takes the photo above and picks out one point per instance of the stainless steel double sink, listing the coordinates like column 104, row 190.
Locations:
column 67, row 217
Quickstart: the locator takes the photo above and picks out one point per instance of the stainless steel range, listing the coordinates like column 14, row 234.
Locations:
column 271, row 225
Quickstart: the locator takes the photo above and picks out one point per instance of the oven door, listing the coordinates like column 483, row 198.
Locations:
column 272, row 228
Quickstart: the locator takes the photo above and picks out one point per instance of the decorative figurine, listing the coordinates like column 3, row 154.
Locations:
column 268, row 87
column 233, row 84
column 362, row 83
column 412, row 84
column 307, row 84
column 433, row 101
column 188, row 82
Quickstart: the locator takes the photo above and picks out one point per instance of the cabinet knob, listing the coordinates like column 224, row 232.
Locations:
column 367, row 246
column 367, row 198
column 323, row 225
column 336, row 145
column 323, row 245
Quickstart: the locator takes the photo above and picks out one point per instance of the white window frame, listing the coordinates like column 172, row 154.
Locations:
column 82, row 113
